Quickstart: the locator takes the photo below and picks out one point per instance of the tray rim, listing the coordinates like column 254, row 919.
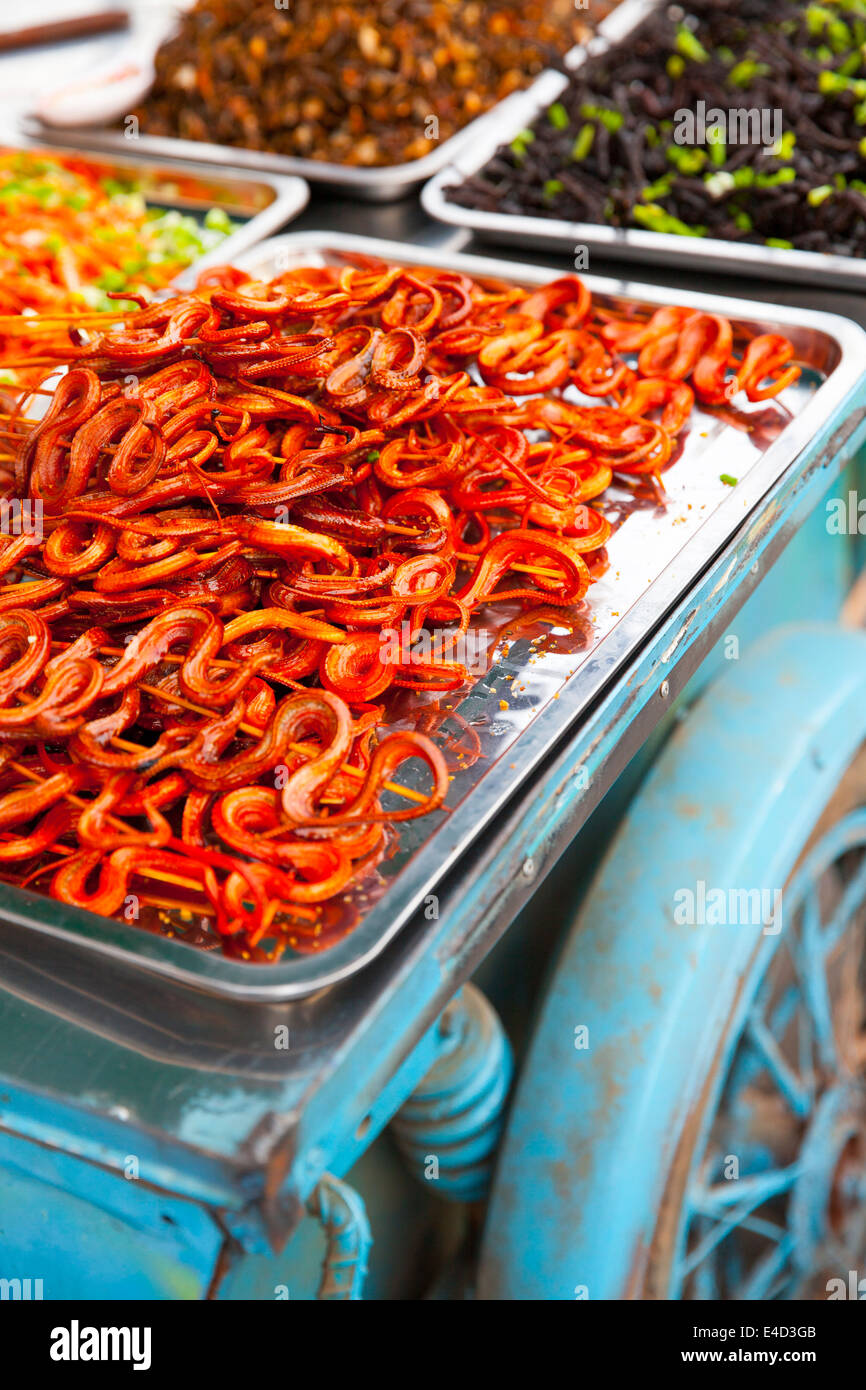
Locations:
column 306, row 975
column 619, row 243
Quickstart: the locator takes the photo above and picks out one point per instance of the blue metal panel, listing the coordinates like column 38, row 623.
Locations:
column 731, row 801
column 88, row 1234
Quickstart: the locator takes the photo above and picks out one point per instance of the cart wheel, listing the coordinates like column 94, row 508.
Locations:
column 691, row 1117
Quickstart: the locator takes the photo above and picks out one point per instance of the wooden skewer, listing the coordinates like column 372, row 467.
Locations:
column 304, row 748
column 173, row 904
column 26, row 390
column 163, row 877
column 67, row 796
column 30, row 321
column 177, row 660
column 29, row 362
column 524, row 569
column 473, row 559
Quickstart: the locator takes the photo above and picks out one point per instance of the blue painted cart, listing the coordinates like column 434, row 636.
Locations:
column 689, row 1114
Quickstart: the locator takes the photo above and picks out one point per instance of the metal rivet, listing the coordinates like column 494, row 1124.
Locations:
column 528, row 868
column 665, row 689
column 756, row 567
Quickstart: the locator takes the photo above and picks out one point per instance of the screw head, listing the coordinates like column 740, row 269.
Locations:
column 665, row 689
column 528, row 868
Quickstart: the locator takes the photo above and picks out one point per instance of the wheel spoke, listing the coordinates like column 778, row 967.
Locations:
column 788, row 1102
column 763, row 1282
column 706, row 1282
column 720, row 1232
column 792, row 1087
column 852, row 897
column 813, row 965
column 744, row 1193
column 749, row 1194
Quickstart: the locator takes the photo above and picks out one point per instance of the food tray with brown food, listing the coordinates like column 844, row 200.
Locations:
column 369, row 98
column 540, row 661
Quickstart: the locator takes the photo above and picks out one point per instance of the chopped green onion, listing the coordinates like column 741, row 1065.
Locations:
column 727, row 479
column 745, row 72
column 611, row 120
column 830, row 82
column 660, row 189
column 690, row 46
column 655, row 219
column 687, row 161
column 218, row 220
column 718, row 148
column 519, row 143
column 583, row 144
column 773, row 180
column 558, row 116
column 784, row 147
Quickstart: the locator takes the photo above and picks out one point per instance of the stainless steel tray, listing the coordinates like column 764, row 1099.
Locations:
column 615, row 243
column 379, row 185
column 656, row 559
column 263, row 205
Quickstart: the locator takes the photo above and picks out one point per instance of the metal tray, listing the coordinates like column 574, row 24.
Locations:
column 656, row 559
column 263, row 205
column 615, row 243
column 377, row 185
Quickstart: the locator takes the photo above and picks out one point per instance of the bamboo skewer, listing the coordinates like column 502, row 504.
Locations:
column 469, row 557
column 304, row 748
column 179, row 660
column 27, row 322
